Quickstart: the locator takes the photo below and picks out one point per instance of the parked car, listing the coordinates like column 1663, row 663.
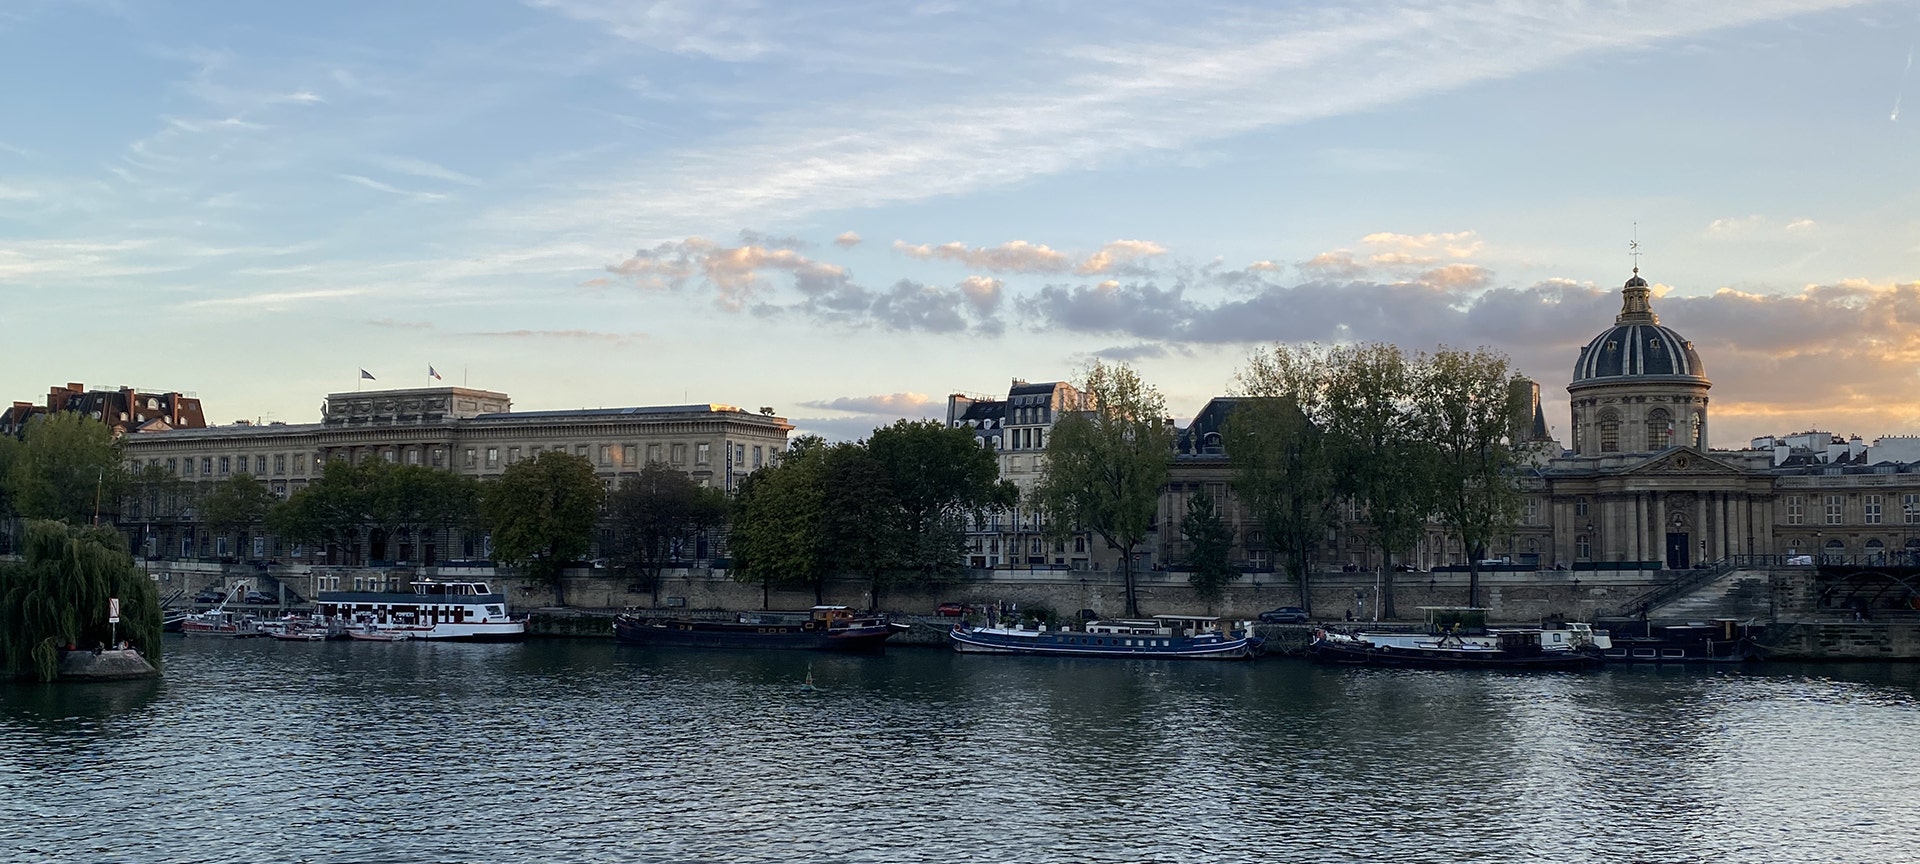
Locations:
column 210, row 596
column 261, row 597
column 1284, row 615
column 953, row 610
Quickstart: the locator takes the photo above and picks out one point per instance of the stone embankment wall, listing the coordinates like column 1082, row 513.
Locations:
column 1509, row 596
column 1843, row 640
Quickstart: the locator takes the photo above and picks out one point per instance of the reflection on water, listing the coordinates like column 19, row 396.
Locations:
column 589, row 751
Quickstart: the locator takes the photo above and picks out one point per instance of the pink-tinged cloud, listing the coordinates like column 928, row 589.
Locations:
column 847, row 240
column 890, row 404
column 735, row 272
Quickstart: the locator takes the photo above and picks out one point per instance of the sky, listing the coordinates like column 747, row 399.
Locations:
column 846, row 211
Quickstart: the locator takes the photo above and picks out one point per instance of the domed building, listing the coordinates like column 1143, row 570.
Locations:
column 1638, row 387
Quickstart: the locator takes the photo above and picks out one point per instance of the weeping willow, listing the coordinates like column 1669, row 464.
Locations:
column 58, row 595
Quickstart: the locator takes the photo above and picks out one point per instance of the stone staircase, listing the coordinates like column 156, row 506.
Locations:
column 1739, row 594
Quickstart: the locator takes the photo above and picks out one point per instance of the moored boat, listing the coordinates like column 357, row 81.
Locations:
column 822, row 628
column 1457, row 638
column 1169, row 637
column 220, row 622
column 1724, row 640
column 463, row 611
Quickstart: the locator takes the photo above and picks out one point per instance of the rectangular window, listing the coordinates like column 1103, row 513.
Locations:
column 439, row 457
column 739, row 454
column 413, row 456
column 653, row 452
column 493, row 457
column 226, row 465
column 629, row 455
column 513, row 455
column 472, row 461
column 1833, row 509
column 679, row 454
column 1579, row 506
column 606, row 454
column 1910, row 508
column 260, row 466
column 1796, row 510
column 174, row 468
column 756, row 456
column 300, row 463
column 1873, row 509
column 1530, row 512
column 280, row 463
column 580, row 450
column 702, row 453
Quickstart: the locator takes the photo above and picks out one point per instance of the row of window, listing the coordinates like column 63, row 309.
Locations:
column 226, row 466
column 1871, row 509
column 621, row 455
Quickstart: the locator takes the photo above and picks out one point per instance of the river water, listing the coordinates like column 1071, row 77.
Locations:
column 263, row 751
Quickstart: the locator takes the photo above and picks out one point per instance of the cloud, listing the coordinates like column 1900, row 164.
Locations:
column 400, row 325
column 423, row 168
column 847, row 240
column 1422, row 248
column 893, row 404
column 371, row 183
column 562, row 335
column 278, row 299
column 1015, row 256
column 735, row 272
column 1020, row 256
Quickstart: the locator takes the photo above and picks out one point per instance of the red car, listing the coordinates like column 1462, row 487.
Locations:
column 953, row 610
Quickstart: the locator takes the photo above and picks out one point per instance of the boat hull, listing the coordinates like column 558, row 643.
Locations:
column 967, row 640
column 684, row 633
column 1363, row 654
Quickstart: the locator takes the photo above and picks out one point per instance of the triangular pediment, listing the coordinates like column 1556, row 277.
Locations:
column 1684, row 461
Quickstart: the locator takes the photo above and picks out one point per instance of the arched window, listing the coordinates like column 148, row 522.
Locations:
column 1609, row 431
column 1659, row 429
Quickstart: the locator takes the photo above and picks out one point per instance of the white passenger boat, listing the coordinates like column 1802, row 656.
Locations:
column 1170, row 637
column 465, row 611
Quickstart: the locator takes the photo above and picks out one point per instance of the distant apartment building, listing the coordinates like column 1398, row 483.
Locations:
column 1016, row 429
column 124, row 409
column 468, row 431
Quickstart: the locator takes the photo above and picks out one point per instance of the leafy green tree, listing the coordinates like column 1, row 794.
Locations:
column 1209, row 544
column 777, row 535
column 1106, row 465
column 939, row 476
column 236, row 504
column 58, row 596
column 1385, row 465
column 330, row 511
column 656, row 514
column 1472, row 412
column 543, row 511
column 67, row 468
column 865, row 527
column 1284, row 462
column 417, row 501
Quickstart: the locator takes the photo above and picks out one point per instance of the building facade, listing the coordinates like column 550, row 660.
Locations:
column 1016, row 429
column 467, row 431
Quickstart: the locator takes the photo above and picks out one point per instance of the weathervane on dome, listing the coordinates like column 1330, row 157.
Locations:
column 1633, row 248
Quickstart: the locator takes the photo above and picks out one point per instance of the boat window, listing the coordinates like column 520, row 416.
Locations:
column 1673, row 652
column 1643, row 652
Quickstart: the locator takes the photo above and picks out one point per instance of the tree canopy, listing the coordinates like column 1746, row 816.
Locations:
column 236, row 504
column 938, row 476
column 543, row 511
column 1473, row 412
column 778, row 534
column 68, row 468
column 1209, row 545
column 1106, row 464
column 57, row 595
column 1283, row 459
column 654, row 516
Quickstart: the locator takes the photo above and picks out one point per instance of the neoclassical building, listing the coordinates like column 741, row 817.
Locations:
column 465, row 430
column 1640, row 487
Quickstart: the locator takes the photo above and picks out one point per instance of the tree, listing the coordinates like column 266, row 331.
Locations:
column 415, row 501
column 58, row 596
column 864, row 527
column 1209, row 541
column 330, row 511
column 1106, row 465
column 1472, row 412
column 67, row 467
column 1283, row 460
column 153, row 494
column 542, row 511
column 653, row 516
column 236, row 504
column 1385, row 466
column 777, row 534
column 939, row 476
